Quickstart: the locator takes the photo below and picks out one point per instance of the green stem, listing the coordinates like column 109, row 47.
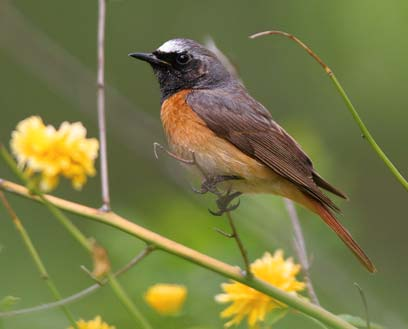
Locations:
column 66, row 222
column 62, row 218
column 181, row 251
column 366, row 133
column 36, row 258
column 127, row 302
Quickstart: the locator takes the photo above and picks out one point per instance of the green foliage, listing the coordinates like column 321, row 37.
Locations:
column 359, row 322
column 8, row 303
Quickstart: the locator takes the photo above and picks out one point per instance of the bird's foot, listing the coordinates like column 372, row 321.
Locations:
column 157, row 146
column 224, row 203
column 209, row 184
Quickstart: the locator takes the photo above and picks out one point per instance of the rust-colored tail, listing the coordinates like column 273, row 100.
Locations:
column 343, row 234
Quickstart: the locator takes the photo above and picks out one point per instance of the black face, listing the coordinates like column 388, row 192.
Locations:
column 187, row 66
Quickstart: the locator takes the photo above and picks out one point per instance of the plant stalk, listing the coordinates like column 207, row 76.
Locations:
column 179, row 250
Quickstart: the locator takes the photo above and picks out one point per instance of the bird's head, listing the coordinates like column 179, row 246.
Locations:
column 185, row 64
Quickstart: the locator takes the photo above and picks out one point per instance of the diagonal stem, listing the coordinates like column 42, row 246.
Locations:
column 181, row 251
column 300, row 248
column 83, row 293
column 36, row 257
column 101, row 105
column 366, row 133
column 241, row 247
column 127, row 302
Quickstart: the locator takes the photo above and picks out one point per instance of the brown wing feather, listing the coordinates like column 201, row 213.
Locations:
column 249, row 126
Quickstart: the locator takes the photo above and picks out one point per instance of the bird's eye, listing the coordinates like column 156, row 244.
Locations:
column 183, row 59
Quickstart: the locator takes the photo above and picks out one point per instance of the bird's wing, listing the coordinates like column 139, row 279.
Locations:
column 249, row 126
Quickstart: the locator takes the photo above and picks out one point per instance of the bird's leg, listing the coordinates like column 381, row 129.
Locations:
column 224, row 201
column 209, row 184
column 157, row 146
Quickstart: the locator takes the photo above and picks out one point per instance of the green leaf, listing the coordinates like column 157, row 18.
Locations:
column 359, row 322
column 275, row 316
column 8, row 302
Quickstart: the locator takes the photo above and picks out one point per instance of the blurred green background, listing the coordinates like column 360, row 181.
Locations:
column 48, row 68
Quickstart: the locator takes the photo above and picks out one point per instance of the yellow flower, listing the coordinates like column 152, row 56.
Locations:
column 166, row 299
column 96, row 323
column 67, row 152
column 248, row 302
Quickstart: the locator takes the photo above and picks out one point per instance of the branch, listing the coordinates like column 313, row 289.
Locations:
column 300, row 248
column 172, row 247
column 83, row 293
column 241, row 247
column 366, row 133
column 101, row 106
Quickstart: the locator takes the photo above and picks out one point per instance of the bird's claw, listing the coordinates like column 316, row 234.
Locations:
column 222, row 211
column 223, row 203
column 209, row 184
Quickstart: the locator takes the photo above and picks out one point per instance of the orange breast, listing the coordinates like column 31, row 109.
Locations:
column 184, row 129
column 188, row 133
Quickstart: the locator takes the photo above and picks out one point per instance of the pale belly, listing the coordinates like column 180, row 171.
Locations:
column 217, row 157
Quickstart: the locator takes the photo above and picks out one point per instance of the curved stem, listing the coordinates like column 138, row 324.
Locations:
column 366, row 133
column 172, row 247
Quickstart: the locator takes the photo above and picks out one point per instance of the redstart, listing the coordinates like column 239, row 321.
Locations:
column 209, row 117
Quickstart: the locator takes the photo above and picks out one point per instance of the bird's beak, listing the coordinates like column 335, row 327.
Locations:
column 148, row 57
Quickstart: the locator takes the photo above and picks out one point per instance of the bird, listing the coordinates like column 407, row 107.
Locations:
column 210, row 120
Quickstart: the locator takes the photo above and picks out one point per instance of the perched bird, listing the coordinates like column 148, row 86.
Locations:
column 210, row 119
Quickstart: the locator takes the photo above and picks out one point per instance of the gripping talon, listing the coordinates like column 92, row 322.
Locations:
column 223, row 204
column 215, row 213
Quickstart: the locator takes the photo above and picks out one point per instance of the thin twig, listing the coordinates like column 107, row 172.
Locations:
column 83, row 293
column 36, row 257
column 179, row 250
column 122, row 296
column 300, row 249
column 127, row 302
column 101, row 106
column 234, row 234
column 364, row 300
column 365, row 132
column 241, row 247
column 231, row 68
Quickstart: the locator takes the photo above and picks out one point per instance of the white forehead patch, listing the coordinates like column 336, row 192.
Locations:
column 172, row 46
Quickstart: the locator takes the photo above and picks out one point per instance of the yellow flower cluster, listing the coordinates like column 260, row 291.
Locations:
column 42, row 149
column 248, row 302
column 166, row 299
column 96, row 323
